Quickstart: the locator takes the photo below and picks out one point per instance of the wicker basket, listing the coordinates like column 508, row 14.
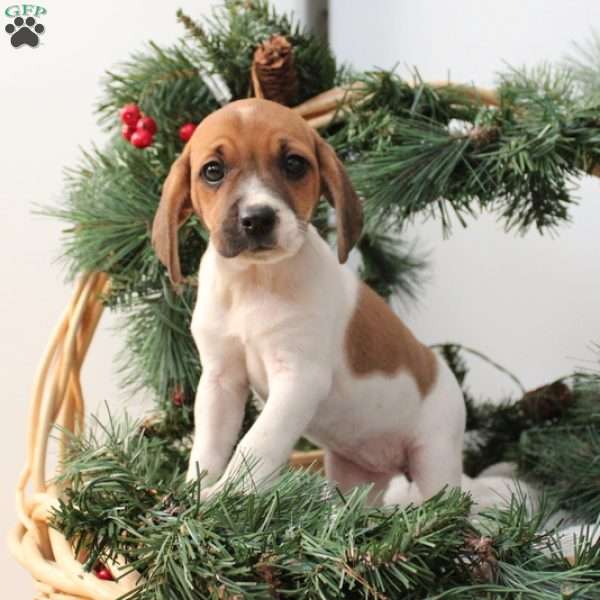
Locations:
column 57, row 399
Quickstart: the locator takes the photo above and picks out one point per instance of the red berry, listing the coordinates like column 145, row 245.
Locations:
column 130, row 114
column 141, row 138
column 104, row 573
column 147, row 123
column 185, row 131
column 178, row 396
column 127, row 131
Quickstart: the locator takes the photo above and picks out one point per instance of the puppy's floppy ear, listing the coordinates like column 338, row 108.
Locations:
column 174, row 208
column 337, row 188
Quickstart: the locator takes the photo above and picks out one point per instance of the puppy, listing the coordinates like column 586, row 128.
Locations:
column 278, row 314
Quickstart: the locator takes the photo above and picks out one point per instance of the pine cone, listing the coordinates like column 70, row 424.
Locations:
column 547, row 402
column 481, row 557
column 274, row 74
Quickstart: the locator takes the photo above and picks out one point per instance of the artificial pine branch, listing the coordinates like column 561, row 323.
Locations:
column 126, row 495
column 159, row 352
column 193, row 28
column 440, row 151
column 391, row 267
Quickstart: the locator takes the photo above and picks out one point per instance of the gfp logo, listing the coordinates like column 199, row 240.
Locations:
column 24, row 28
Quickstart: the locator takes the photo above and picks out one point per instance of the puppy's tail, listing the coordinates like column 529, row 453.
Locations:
column 496, row 485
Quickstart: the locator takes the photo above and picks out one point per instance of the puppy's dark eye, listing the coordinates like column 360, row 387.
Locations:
column 213, row 171
column 295, row 166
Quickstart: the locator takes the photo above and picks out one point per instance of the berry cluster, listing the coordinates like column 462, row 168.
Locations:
column 138, row 129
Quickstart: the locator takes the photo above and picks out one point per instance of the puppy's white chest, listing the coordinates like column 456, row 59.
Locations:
column 245, row 322
column 257, row 374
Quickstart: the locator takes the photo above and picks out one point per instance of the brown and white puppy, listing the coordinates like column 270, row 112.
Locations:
column 278, row 314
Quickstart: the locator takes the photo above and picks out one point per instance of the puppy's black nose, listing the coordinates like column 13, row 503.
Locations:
column 258, row 220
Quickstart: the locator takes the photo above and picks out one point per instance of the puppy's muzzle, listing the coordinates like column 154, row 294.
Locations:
column 258, row 224
column 247, row 229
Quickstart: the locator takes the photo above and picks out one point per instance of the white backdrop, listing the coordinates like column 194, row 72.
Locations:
column 531, row 303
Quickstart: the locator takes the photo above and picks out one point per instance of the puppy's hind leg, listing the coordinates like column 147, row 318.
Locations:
column 431, row 467
column 435, row 456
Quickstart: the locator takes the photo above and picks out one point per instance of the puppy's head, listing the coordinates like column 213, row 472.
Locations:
column 253, row 172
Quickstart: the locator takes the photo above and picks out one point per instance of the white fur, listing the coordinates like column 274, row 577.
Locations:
column 278, row 328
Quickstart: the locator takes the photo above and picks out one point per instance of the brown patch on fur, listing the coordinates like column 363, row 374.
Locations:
column 378, row 341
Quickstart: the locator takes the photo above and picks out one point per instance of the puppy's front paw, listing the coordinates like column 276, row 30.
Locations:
column 208, row 466
column 237, row 488
column 193, row 473
column 210, row 491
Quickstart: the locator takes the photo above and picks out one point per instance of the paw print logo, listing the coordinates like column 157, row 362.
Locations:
column 24, row 31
